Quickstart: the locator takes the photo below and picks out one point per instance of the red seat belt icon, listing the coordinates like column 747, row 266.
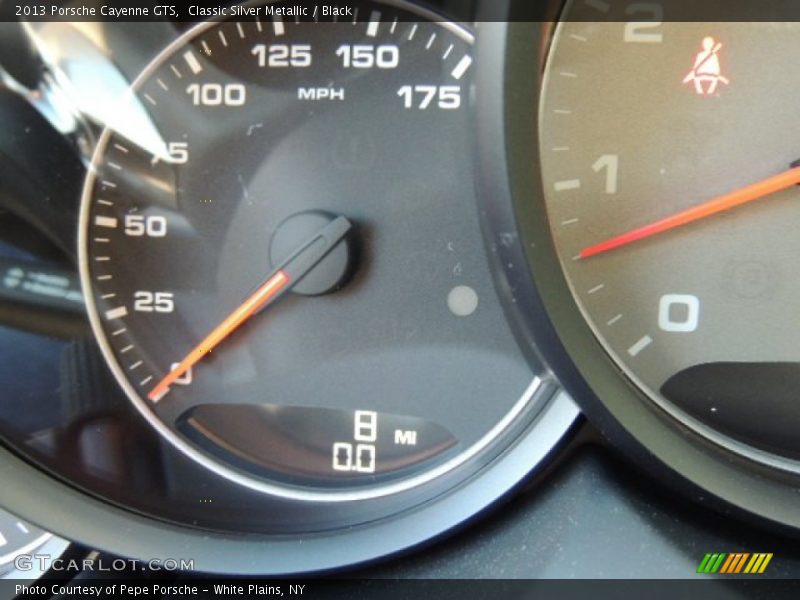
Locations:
column 707, row 72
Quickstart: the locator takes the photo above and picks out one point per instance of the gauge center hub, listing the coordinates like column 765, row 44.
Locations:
column 330, row 273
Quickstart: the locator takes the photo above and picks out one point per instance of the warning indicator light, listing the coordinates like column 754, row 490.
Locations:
column 707, row 71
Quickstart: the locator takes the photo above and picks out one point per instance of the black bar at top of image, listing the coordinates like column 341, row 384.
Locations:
column 484, row 10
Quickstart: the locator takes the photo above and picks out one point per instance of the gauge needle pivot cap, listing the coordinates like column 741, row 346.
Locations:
column 280, row 281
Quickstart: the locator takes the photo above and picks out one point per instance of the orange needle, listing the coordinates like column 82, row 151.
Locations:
column 266, row 292
column 716, row 205
column 292, row 270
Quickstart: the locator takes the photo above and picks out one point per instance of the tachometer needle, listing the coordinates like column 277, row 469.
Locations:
column 279, row 282
column 716, row 205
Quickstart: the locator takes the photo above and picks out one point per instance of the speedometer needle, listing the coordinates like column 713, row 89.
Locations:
column 716, row 205
column 279, row 282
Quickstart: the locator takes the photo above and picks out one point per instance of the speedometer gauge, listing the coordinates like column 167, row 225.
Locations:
column 278, row 267
column 302, row 358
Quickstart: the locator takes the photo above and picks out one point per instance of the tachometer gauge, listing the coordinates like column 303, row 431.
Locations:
column 277, row 252
column 673, row 214
column 658, row 220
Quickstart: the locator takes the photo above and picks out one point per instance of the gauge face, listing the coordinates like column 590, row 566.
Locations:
column 277, row 270
column 667, row 154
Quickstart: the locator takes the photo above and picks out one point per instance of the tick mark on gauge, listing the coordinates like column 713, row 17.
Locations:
column 240, row 29
column 448, row 52
column 162, row 85
column 567, row 185
column 374, row 23
column 116, row 313
column 176, row 71
column 568, row 74
column 192, row 61
column 462, row 67
column 462, row 301
column 222, row 38
column 413, row 31
column 206, row 47
column 430, row 42
column 135, row 365
column 578, row 38
column 640, row 345
column 393, row 28
column 121, row 148
column 614, row 321
column 596, row 289
column 109, row 222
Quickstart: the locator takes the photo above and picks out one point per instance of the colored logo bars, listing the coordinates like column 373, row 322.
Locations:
column 734, row 563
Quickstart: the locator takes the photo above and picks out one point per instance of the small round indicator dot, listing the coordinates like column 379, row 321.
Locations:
column 462, row 301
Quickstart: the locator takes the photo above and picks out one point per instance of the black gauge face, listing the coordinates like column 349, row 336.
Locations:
column 277, row 266
column 668, row 154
